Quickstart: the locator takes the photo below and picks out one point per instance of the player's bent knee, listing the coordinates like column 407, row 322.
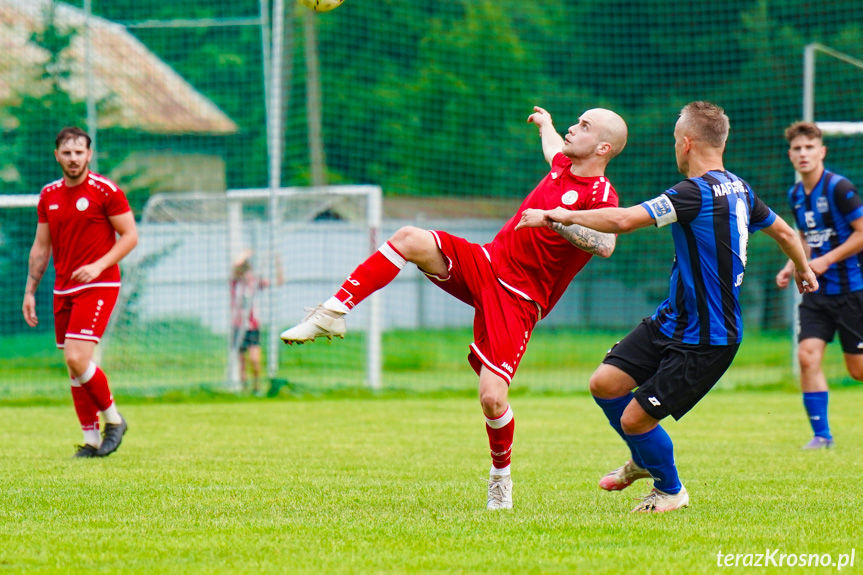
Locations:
column 597, row 388
column 77, row 362
column 493, row 403
column 604, row 387
column 412, row 242
column 493, row 397
column 78, row 355
column 809, row 363
column 809, row 355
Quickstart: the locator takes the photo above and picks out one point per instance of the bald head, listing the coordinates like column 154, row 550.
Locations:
column 612, row 129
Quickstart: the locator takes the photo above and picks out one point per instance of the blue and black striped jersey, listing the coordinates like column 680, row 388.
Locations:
column 712, row 217
column 824, row 216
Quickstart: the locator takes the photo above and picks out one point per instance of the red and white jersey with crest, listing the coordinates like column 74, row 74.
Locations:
column 81, row 232
column 537, row 263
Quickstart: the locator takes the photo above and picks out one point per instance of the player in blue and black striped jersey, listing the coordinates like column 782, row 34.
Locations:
column 829, row 215
column 675, row 356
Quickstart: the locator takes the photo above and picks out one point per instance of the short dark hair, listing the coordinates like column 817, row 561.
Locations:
column 71, row 133
column 808, row 129
column 707, row 122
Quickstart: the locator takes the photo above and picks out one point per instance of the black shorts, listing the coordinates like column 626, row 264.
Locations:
column 671, row 376
column 250, row 337
column 821, row 316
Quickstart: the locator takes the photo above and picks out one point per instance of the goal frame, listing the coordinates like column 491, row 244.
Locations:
column 235, row 199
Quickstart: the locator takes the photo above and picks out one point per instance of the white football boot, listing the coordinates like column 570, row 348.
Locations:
column 659, row 501
column 320, row 322
column 499, row 492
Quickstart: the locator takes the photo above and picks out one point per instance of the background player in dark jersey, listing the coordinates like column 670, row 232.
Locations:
column 80, row 219
column 829, row 216
column 511, row 282
column 675, row 356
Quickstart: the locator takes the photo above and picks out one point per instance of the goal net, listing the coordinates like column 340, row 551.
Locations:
column 28, row 356
column 212, row 269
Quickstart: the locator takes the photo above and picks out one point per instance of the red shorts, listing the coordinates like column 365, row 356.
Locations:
column 83, row 314
column 502, row 322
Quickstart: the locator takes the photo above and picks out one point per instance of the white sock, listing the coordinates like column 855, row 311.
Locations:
column 112, row 416
column 333, row 304
column 88, row 373
column 92, row 437
column 496, row 471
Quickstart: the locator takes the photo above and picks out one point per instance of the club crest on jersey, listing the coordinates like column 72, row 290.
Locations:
column 569, row 198
column 822, row 206
column 82, row 204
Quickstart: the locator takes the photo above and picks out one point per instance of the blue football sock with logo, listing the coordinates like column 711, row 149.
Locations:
column 657, row 452
column 613, row 409
column 816, row 406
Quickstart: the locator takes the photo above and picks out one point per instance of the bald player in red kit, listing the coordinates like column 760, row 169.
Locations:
column 86, row 223
column 511, row 283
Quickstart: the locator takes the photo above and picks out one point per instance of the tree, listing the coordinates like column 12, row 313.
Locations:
column 44, row 108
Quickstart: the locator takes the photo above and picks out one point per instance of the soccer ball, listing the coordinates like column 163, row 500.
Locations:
column 321, row 5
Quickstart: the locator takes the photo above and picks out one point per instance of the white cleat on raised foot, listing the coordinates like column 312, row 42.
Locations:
column 320, row 322
column 499, row 492
column 623, row 476
column 659, row 501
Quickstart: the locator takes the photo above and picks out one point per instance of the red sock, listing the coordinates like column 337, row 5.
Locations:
column 500, row 433
column 86, row 410
column 371, row 275
column 97, row 386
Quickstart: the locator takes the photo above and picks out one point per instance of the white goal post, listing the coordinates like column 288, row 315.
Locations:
column 323, row 199
column 20, row 201
column 317, row 234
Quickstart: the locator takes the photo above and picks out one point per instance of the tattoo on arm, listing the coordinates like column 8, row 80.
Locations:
column 591, row 241
column 38, row 265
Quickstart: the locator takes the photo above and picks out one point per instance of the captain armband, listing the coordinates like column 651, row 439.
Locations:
column 662, row 210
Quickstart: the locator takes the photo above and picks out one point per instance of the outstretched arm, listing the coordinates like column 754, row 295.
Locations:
column 607, row 220
column 552, row 142
column 789, row 242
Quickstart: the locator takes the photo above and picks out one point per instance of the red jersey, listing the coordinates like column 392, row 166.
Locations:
column 537, row 263
column 81, row 232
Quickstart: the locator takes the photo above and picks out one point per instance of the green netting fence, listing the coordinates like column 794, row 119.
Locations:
column 425, row 99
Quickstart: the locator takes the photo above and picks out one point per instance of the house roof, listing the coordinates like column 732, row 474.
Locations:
column 144, row 92
column 434, row 207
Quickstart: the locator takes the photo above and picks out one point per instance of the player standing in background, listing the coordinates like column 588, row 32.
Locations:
column 246, row 327
column 80, row 217
column 511, row 282
column 676, row 356
column 829, row 216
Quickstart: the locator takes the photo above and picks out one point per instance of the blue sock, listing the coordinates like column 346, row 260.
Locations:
column 816, row 406
column 613, row 409
column 657, row 452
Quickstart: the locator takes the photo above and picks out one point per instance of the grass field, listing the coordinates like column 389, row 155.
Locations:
column 179, row 360
column 397, row 486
